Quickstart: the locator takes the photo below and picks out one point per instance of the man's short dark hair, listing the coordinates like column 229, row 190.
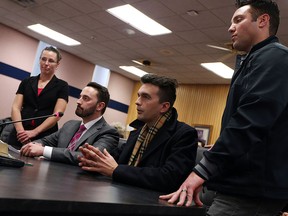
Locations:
column 259, row 7
column 167, row 87
column 103, row 93
column 55, row 50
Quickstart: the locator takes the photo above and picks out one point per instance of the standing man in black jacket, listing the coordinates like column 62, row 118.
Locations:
column 247, row 165
column 161, row 151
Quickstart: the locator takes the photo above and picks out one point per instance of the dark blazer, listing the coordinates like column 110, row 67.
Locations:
column 35, row 106
column 100, row 135
column 44, row 104
column 167, row 161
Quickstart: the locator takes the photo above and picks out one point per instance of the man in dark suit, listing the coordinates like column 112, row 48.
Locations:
column 63, row 145
column 160, row 152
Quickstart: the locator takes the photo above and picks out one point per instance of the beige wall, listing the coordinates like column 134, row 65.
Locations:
column 17, row 49
column 119, row 87
column 7, row 92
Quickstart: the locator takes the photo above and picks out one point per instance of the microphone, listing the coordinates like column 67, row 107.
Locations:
column 58, row 114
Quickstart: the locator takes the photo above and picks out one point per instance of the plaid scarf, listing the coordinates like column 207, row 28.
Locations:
column 145, row 137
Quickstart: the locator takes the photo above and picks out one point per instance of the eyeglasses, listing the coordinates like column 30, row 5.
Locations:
column 50, row 61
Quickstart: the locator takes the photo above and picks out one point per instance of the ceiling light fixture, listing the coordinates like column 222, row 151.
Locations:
column 137, row 62
column 219, row 68
column 138, row 20
column 143, row 62
column 134, row 70
column 218, row 47
column 41, row 29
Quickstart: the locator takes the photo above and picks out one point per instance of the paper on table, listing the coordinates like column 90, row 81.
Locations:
column 4, row 149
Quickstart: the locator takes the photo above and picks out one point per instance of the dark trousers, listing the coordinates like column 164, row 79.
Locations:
column 227, row 205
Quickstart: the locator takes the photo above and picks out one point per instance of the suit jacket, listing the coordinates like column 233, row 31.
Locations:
column 35, row 106
column 44, row 104
column 100, row 135
column 167, row 161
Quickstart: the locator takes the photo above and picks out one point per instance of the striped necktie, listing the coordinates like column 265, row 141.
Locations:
column 76, row 137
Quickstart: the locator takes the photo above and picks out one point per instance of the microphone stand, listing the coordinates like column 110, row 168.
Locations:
column 58, row 114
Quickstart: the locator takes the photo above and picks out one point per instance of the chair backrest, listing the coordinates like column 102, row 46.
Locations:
column 200, row 152
column 5, row 130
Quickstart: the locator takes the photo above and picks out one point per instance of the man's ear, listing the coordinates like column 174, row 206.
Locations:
column 165, row 107
column 264, row 20
column 100, row 106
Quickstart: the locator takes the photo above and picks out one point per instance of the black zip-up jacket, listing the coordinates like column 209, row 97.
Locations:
column 250, row 157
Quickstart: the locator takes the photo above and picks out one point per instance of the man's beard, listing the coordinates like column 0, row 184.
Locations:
column 85, row 113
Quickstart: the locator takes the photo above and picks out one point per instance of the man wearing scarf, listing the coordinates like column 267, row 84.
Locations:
column 160, row 153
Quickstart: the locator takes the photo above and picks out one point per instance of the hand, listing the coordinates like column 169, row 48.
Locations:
column 94, row 160
column 26, row 135
column 23, row 137
column 32, row 150
column 188, row 191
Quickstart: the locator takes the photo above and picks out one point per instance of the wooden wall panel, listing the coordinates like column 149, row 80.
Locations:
column 196, row 105
column 202, row 105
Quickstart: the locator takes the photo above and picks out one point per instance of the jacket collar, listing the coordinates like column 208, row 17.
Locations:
column 50, row 85
column 271, row 39
column 263, row 43
column 90, row 131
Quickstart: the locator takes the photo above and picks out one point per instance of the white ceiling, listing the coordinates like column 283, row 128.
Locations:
column 106, row 42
